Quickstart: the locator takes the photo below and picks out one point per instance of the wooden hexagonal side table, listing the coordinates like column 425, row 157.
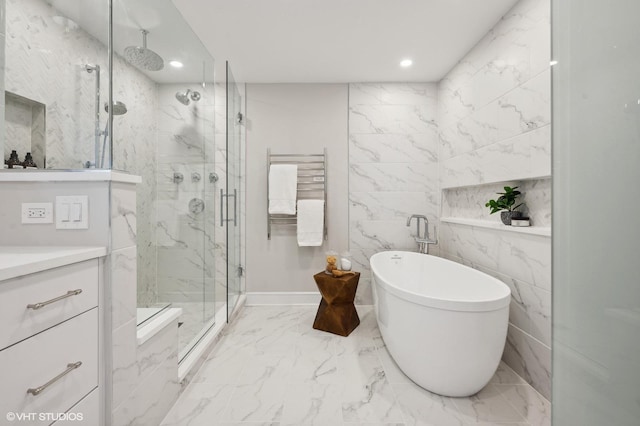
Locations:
column 337, row 313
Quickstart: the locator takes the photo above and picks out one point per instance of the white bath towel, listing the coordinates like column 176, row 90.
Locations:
column 310, row 222
column 283, row 188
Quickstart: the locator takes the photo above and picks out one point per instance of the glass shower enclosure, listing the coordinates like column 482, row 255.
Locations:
column 235, row 210
column 127, row 85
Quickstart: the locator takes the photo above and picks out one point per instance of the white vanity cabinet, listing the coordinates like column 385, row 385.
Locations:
column 49, row 338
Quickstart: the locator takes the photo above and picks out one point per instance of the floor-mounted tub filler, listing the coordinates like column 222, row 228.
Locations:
column 443, row 323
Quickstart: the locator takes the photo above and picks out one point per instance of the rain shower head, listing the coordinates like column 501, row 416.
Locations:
column 142, row 57
column 119, row 108
column 186, row 97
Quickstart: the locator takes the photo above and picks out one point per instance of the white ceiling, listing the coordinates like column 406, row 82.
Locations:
column 294, row 41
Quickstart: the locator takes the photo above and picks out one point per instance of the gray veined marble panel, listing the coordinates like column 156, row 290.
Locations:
column 487, row 406
column 199, row 404
column 535, row 409
column 367, row 395
column 364, row 294
column 382, row 234
column 541, row 151
column 392, row 94
column 530, row 359
column 312, row 404
column 375, row 177
column 420, row 407
column 454, row 99
column 123, row 215
column 502, row 161
column 123, row 286
column 475, row 245
column 393, row 148
column 400, row 119
column 525, row 257
column 527, row 107
column 124, row 363
column 470, row 133
column 409, row 94
column 530, row 308
column 151, row 400
column 393, row 205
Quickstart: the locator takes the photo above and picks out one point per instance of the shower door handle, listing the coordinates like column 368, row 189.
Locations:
column 221, row 207
column 235, row 208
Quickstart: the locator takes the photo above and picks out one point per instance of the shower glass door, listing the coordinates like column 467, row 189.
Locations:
column 235, row 126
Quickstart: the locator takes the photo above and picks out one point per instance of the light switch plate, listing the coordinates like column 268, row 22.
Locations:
column 34, row 213
column 66, row 208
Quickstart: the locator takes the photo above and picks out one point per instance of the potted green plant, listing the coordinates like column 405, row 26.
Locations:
column 507, row 202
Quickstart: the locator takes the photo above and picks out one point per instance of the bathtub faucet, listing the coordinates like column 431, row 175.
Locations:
column 422, row 240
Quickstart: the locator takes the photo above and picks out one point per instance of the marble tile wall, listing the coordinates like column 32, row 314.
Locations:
column 148, row 381
column 494, row 118
column 393, row 169
column 44, row 63
column 144, row 378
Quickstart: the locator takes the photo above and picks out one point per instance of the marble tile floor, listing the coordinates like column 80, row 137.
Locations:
column 272, row 368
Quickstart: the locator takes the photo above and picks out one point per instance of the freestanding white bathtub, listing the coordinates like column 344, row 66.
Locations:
column 443, row 323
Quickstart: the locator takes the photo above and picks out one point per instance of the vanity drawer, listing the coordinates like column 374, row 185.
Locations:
column 19, row 322
column 42, row 358
column 84, row 413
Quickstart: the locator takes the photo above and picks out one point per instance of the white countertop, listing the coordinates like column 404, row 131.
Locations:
column 81, row 175
column 16, row 261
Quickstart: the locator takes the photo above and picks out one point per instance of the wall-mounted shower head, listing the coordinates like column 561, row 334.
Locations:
column 186, row 97
column 142, row 57
column 119, row 108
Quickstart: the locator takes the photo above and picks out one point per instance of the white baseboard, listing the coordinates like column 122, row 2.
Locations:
column 284, row 298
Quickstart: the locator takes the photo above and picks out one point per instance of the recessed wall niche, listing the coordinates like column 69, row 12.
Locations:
column 25, row 128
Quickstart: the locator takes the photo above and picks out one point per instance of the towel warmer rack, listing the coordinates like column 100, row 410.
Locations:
column 312, row 184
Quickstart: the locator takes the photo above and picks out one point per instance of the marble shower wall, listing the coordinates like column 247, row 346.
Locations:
column 393, row 169
column 44, row 62
column 186, row 241
column 494, row 117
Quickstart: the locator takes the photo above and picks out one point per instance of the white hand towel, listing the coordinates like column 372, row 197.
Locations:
column 310, row 222
column 283, row 188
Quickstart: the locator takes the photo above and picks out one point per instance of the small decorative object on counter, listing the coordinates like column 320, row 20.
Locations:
column 331, row 264
column 345, row 261
column 14, row 162
column 521, row 221
column 506, row 202
column 28, row 162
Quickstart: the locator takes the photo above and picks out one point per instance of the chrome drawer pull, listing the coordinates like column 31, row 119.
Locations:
column 57, row 299
column 70, row 368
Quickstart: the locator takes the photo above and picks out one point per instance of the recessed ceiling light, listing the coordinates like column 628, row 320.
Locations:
column 552, row 63
column 176, row 64
column 406, row 63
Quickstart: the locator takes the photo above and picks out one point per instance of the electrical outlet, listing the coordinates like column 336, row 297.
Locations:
column 38, row 212
column 35, row 213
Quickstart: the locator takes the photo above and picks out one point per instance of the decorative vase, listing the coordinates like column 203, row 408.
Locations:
column 507, row 216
